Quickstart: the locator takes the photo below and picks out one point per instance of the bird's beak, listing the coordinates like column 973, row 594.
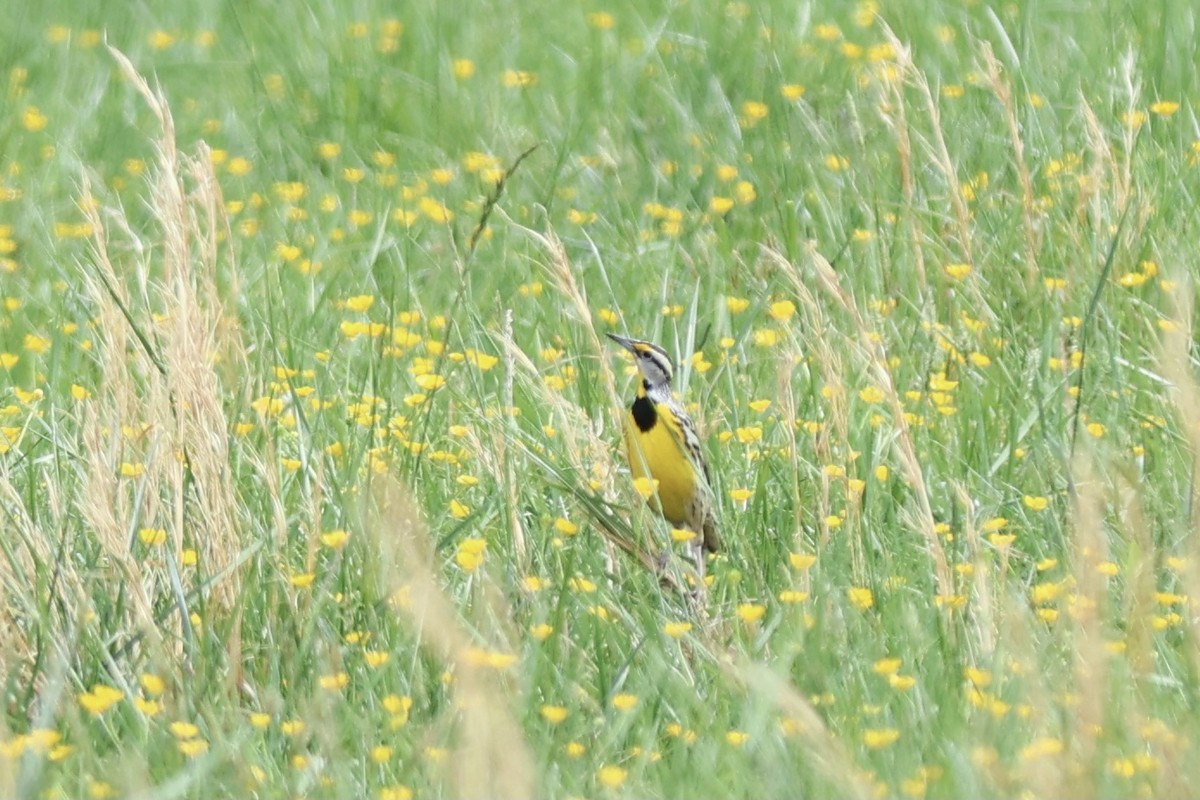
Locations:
column 621, row 340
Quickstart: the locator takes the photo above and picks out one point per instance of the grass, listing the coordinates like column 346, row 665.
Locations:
column 308, row 466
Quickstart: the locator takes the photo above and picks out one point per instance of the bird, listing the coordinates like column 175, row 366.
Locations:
column 662, row 445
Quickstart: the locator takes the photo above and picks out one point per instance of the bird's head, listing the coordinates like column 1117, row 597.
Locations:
column 652, row 362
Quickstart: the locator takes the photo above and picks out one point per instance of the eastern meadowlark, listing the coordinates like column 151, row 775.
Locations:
column 662, row 445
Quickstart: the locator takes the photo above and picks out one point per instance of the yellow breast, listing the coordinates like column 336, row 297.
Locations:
column 658, row 454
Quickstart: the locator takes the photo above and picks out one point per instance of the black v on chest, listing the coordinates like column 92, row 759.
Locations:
column 644, row 415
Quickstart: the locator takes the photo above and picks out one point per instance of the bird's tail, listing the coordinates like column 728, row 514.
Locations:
column 712, row 537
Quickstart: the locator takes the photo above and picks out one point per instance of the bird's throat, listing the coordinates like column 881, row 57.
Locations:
column 644, row 414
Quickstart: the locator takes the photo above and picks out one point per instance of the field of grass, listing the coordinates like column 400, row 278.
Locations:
column 309, row 478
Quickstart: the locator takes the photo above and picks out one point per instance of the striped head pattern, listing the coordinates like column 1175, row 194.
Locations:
column 652, row 361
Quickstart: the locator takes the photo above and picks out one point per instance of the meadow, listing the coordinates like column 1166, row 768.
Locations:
column 310, row 479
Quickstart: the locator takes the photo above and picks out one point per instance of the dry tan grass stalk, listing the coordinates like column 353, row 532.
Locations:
column 120, row 358
column 580, row 442
column 1176, row 365
column 1108, row 169
column 1003, row 91
column 1018, row 641
column 983, row 605
column 834, row 430
column 787, row 410
column 266, row 467
column 189, row 346
column 563, row 277
column 495, row 459
column 490, row 740
column 1123, row 176
column 129, row 392
column 1140, row 581
column 826, row 751
column 819, row 335
column 824, row 454
column 25, row 542
column 500, row 441
column 921, row 518
column 895, row 115
column 1103, row 163
column 1090, row 549
column 13, row 645
column 941, row 152
column 158, row 382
